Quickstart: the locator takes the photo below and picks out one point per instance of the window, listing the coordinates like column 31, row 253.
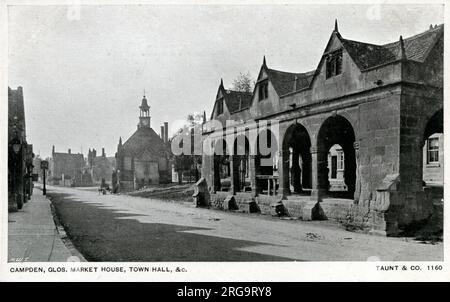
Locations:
column 263, row 90
column 220, row 106
column 341, row 161
column 433, row 150
column 334, row 64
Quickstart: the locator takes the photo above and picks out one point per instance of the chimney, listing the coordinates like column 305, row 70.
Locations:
column 162, row 132
column 166, row 132
column 69, row 151
column 103, row 152
column 53, row 150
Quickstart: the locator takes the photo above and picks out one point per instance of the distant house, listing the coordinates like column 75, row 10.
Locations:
column 100, row 167
column 66, row 169
column 144, row 158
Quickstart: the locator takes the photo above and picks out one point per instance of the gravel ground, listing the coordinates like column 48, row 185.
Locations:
column 126, row 228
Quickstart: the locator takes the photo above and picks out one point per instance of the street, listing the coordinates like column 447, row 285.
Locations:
column 125, row 228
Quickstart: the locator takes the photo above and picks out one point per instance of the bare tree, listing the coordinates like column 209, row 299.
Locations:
column 244, row 82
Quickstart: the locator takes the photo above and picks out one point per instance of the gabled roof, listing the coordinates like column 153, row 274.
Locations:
column 145, row 138
column 368, row 55
column 237, row 100
column 234, row 100
column 284, row 82
column 417, row 47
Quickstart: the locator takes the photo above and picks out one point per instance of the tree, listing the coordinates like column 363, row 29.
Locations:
column 243, row 82
column 189, row 162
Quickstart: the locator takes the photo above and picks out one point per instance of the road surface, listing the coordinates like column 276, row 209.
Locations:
column 125, row 228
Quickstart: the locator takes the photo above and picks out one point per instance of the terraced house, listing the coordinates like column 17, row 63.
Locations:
column 347, row 139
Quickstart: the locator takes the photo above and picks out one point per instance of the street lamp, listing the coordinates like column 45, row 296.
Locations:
column 16, row 147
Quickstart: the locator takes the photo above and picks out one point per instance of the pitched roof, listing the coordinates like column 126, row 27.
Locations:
column 417, row 48
column 368, row 55
column 145, row 138
column 284, row 82
column 237, row 100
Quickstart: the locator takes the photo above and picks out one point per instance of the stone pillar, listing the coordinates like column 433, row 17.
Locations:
column 358, row 174
column 319, row 174
column 283, row 173
column 252, row 173
column 233, row 167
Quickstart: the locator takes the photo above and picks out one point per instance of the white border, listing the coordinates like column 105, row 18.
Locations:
column 214, row 271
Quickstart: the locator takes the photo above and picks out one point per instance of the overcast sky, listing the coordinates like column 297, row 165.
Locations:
column 83, row 78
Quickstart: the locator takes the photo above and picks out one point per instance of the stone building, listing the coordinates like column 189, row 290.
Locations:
column 144, row 158
column 20, row 153
column 67, row 169
column 100, row 167
column 378, row 104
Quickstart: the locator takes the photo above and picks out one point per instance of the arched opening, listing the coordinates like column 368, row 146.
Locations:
column 222, row 176
column 336, row 164
column 334, row 147
column 433, row 155
column 266, row 162
column 297, row 160
column 241, row 164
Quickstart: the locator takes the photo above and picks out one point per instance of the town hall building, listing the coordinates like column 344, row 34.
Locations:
column 144, row 159
column 346, row 141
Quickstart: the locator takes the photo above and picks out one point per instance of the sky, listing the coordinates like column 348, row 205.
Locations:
column 84, row 69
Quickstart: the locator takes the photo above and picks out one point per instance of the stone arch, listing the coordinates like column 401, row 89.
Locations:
column 266, row 152
column 336, row 130
column 434, row 124
column 296, row 163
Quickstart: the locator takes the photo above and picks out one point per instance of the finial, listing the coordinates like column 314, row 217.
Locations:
column 221, row 82
column 264, row 61
column 402, row 49
column 120, row 141
column 336, row 25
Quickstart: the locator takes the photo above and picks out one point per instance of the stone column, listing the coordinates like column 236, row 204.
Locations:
column 358, row 174
column 283, row 173
column 319, row 174
column 252, row 173
column 233, row 160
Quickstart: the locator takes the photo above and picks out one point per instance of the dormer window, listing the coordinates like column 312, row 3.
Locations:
column 334, row 64
column 220, row 106
column 263, row 92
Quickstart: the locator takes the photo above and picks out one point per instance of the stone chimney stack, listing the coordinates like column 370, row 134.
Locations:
column 162, row 133
column 103, row 152
column 166, row 132
column 69, row 151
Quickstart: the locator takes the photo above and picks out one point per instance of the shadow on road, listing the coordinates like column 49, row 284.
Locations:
column 100, row 236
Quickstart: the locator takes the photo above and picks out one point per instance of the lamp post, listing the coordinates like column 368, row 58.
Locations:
column 44, row 166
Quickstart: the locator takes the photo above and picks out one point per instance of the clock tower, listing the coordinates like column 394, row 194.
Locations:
column 144, row 115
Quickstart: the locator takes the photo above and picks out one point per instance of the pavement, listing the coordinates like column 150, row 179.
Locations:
column 126, row 228
column 33, row 235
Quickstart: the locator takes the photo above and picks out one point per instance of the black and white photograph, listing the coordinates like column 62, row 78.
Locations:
column 222, row 135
